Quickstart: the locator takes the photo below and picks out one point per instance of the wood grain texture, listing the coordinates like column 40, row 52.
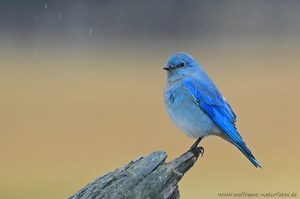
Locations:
column 147, row 177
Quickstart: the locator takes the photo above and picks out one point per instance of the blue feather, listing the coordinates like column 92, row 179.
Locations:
column 209, row 99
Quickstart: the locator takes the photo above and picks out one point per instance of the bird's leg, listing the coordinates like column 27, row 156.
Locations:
column 195, row 148
column 196, row 143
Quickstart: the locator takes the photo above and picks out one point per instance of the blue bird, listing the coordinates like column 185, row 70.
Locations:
column 197, row 107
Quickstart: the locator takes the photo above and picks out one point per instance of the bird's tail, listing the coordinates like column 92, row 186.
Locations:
column 240, row 144
column 246, row 151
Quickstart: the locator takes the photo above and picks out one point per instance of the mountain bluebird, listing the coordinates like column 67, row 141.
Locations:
column 197, row 107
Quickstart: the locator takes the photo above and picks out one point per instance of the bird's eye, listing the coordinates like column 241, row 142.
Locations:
column 181, row 64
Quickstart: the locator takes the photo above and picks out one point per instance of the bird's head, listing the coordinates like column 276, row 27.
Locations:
column 181, row 64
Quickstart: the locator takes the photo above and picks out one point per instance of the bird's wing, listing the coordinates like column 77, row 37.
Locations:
column 206, row 92
column 209, row 99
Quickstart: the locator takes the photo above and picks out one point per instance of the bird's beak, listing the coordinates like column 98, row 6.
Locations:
column 167, row 68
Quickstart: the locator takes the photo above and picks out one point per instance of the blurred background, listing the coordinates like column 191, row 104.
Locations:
column 81, row 86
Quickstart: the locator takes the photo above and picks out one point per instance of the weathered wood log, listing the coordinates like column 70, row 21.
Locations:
column 147, row 177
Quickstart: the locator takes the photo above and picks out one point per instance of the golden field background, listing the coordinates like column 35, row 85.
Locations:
column 70, row 115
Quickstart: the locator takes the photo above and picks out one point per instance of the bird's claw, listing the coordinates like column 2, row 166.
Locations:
column 201, row 150
column 197, row 151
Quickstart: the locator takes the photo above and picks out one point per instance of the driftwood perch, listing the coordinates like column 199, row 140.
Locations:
column 147, row 177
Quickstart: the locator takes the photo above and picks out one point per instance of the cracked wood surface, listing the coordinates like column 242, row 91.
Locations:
column 147, row 177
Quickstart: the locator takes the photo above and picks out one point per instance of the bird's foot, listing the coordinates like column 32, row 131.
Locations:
column 197, row 151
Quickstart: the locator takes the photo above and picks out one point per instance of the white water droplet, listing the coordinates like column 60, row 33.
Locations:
column 91, row 30
column 46, row 6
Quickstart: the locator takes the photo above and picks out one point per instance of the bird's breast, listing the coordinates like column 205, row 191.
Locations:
column 185, row 114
